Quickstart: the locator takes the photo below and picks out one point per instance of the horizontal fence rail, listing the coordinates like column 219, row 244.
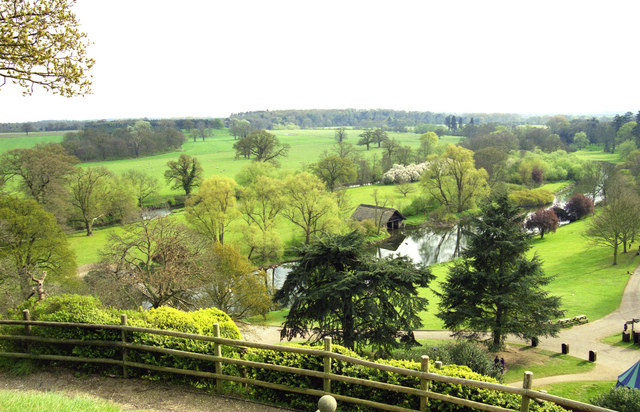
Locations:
column 424, row 393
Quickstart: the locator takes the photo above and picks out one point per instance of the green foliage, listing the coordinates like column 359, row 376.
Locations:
column 398, row 399
column 420, row 205
column 42, row 45
column 32, row 241
column 87, row 309
column 184, row 173
column 531, row 197
column 496, row 286
column 626, row 147
column 621, row 399
column 336, row 289
column 462, row 353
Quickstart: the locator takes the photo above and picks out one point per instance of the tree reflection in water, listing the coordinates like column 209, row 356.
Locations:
column 424, row 245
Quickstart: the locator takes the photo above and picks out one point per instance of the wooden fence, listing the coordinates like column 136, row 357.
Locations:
column 425, row 376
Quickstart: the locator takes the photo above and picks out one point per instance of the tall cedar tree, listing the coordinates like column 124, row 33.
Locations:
column 339, row 290
column 495, row 287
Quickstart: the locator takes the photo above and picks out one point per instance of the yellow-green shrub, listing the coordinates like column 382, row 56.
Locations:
column 87, row 309
column 531, row 197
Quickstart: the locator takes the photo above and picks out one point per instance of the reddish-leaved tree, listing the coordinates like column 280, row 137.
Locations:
column 578, row 207
column 545, row 220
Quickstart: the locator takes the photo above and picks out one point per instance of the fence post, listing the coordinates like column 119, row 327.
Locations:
column 527, row 382
column 217, row 352
column 424, row 383
column 326, row 382
column 27, row 329
column 438, row 364
column 125, row 352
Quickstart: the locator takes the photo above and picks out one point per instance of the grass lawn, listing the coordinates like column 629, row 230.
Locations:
column 555, row 187
column 542, row 363
column 585, row 279
column 217, row 156
column 10, row 141
column 581, row 391
column 616, row 340
column 518, row 358
column 29, row 401
column 596, row 154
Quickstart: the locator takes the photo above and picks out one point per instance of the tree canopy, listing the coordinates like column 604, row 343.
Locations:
column 213, row 207
column 495, row 287
column 32, row 241
column 454, row 181
column 184, row 173
column 263, row 145
column 41, row 44
column 336, row 289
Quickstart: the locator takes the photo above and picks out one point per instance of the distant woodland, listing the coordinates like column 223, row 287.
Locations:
column 396, row 120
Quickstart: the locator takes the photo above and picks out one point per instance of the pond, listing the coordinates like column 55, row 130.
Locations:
column 422, row 245
column 427, row 245
column 155, row 213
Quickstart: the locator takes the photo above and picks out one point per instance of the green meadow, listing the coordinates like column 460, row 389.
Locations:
column 10, row 141
column 567, row 255
column 217, row 156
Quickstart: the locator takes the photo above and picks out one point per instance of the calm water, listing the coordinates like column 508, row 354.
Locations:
column 426, row 245
column 421, row 245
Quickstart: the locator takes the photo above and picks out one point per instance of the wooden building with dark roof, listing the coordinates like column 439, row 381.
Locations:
column 385, row 215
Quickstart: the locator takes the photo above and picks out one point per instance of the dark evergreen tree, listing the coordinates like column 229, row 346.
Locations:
column 495, row 287
column 337, row 289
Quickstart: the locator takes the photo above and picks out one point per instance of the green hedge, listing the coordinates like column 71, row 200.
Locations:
column 620, row 399
column 86, row 309
column 363, row 392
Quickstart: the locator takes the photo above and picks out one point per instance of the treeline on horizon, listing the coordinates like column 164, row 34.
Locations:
column 397, row 120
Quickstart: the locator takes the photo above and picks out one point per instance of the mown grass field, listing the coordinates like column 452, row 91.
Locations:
column 217, row 156
column 546, row 363
column 581, row 391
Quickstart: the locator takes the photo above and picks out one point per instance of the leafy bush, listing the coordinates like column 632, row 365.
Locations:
column 462, row 353
column 87, row 309
column 578, row 207
column 531, row 197
column 620, row 399
column 420, row 205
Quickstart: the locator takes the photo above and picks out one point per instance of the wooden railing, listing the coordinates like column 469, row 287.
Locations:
column 425, row 376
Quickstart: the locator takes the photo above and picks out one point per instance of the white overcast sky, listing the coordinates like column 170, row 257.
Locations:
column 158, row 59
